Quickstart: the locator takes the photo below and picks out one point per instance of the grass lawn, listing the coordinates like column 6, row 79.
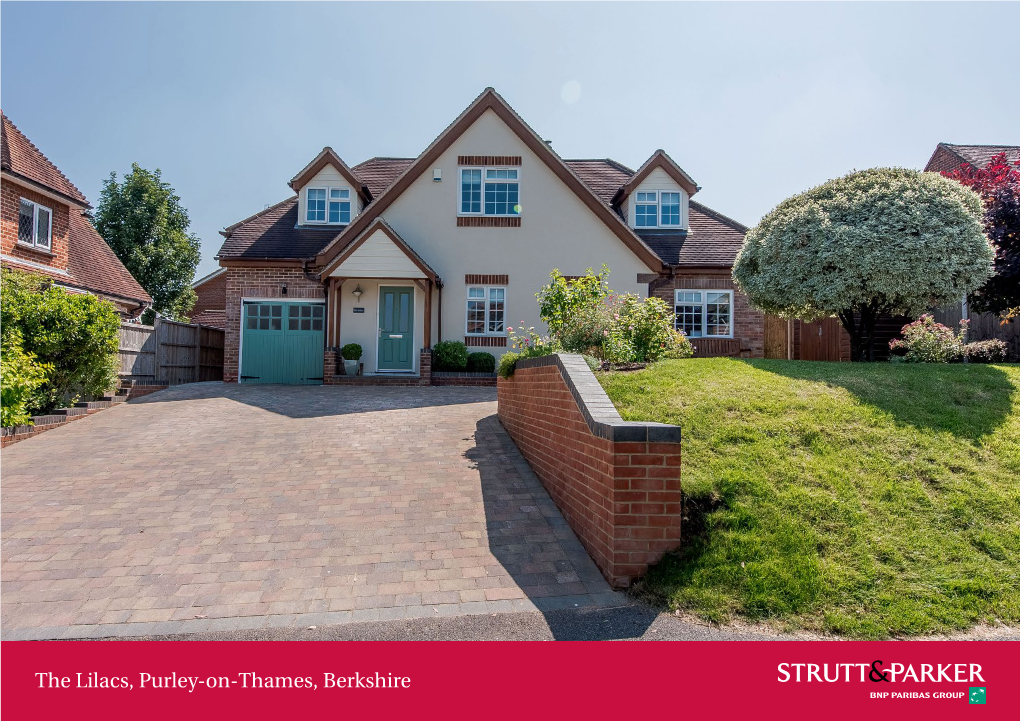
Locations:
column 860, row 499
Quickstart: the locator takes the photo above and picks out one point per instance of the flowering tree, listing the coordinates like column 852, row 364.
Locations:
column 879, row 241
column 998, row 183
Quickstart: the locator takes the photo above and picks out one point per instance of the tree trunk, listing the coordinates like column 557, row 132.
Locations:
column 859, row 323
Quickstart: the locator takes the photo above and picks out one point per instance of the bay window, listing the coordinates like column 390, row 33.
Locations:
column 35, row 225
column 490, row 191
column 485, row 310
column 705, row 313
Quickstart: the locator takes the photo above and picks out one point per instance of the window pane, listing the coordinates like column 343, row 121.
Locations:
column 306, row 324
column 470, row 191
column 645, row 216
column 316, row 323
column 292, row 323
column 26, row 220
column 717, row 314
column 316, row 205
column 476, row 292
column 253, row 323
column 476, row 316
column 42, row 227
column 501, row 198
column 277, row 311
column 317, row 311
column 671, row 209
column 688, row 319
column 263, row 324
column 496, row 296
column 338, row 193
column 294, row 311
column 276, row 323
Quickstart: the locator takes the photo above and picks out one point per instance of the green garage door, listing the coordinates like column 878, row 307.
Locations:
column 282, row 342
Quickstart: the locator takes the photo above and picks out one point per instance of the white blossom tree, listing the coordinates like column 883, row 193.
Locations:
column 885, row 240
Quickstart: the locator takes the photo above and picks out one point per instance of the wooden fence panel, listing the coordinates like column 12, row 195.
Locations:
column 170, row 353
column 777, row 338
column 984, row 326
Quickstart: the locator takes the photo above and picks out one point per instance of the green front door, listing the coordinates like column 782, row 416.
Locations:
column 396, row 328
column 282, row 342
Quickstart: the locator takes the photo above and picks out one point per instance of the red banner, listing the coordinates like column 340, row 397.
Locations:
column 197, row 680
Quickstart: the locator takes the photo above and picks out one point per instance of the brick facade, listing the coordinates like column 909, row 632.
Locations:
column 211, row 302
column 266, row 282
column 748, row 323
column 617, row 483
column 10, row 203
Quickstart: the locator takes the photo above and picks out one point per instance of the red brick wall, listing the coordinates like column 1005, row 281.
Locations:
column 258, row 283
column 748, row 324
column 10, row 201
column 212, row 295
column 621, row 498
column 943, row 160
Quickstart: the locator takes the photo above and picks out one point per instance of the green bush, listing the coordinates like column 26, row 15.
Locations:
column 925, row 341
column 562, row 298
column 20, row 376
column 75, row 334
column 481, row 362
column 584, row 328
column 351, row 351
column 986, row 351
column 507, row 363
column 449, row 355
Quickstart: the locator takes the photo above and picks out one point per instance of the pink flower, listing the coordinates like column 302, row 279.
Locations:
column 605, row 333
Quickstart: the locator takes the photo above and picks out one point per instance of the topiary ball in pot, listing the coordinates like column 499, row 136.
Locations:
column 481, row 362
column 449, row 355
column 351, row 353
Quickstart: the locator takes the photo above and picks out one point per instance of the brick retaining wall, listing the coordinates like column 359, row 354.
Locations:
column 616, row 482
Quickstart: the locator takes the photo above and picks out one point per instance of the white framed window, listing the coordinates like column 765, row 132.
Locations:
column 490, row 191
column 670, row 209
column 35, row 225
column 328, row 205
column 339, row 205
column 646, row 209
column 486, row 310
column 705, row 313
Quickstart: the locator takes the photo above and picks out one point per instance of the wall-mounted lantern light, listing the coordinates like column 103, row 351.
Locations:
column 357, row 293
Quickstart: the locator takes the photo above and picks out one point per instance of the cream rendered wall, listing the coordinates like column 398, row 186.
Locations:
column 659, row 180
column 557, row 231
column 363, row 328
column 328, row 177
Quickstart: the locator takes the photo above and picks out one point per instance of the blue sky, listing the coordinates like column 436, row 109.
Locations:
column 755, row 101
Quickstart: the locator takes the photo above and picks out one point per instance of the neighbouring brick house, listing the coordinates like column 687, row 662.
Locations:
column 45, row 231
column 398, row 253
column 211, row 304
column 948, row 156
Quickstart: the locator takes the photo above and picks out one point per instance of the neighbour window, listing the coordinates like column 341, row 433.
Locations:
column 490, row 191
column 316, row 202
column 339, row 205
column 35, row 224
column 705, row 313
column 264, row 316
column 670, row 209
column 305, row 317
column 485, row 310
column 646, row 210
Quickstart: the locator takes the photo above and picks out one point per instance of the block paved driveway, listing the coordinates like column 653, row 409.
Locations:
column 212, row 507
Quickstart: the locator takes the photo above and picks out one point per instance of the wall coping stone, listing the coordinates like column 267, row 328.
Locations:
column 598, row 410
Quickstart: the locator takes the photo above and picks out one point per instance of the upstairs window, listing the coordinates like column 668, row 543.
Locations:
column 316, row 202
column 339, row 205
column 646, row 210
column 705, row 313
column 35, row 225
column 485, row 310
column 490, row 191
column 670, row 207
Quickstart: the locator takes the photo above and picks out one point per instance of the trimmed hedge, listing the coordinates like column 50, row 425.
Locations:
column 481, row 362
column 449, row 355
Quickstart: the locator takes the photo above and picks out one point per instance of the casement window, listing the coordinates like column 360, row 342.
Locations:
column 486, row 310
column 490, row 191
column 670, row 209
column 328, row 205
column 646, row 210
column 35, row 225
column 705, row 313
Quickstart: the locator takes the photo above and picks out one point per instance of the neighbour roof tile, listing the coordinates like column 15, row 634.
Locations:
column 94, row 266
column 979, row 155
column 19, row 155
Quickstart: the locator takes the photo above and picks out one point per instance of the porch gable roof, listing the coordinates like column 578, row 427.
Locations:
column 367, row 256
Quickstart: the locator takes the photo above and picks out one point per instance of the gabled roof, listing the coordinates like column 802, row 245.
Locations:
column 659, row 159
column 490, row 100
column 206, row 278
column 379, row 224
column 19, row 156
column 327, row 157
column 978, row 155
column 379, row 173
column 94, row 266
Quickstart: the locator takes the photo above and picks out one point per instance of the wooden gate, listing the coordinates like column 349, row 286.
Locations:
column 777, row 337
column 169, row 353
column 820, row 340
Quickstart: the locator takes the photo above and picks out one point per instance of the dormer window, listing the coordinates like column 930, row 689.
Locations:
column 328, row 205
column 646, row 209
column 670, row 209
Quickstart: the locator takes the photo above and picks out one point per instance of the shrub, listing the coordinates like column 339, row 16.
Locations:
column 481, row 362
column 561, row 298
column 449, row 355
column 584, row 328
column 925, row 341
column 507, row 363
column 526, row 343
column 986, row 351
column 351, row 351
column 593, row 363
column 76, row 335
column 20, row 376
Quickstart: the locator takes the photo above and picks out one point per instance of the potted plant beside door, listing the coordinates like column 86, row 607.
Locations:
column 351, row 353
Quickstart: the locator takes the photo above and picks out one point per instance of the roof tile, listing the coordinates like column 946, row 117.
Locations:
column 19, row 155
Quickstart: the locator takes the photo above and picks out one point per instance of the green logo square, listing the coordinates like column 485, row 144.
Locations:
column 977, row 694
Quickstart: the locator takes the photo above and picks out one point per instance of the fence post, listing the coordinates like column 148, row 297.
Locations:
column 156, row 322
column 198, row 352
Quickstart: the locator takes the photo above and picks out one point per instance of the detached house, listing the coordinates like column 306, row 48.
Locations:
column 45, row 232
column 396, row 254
